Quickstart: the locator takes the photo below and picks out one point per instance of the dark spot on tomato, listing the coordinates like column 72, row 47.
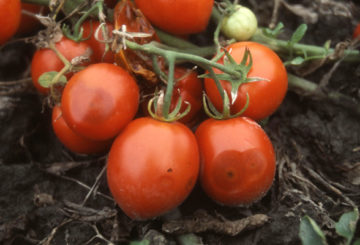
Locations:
column 169, row 170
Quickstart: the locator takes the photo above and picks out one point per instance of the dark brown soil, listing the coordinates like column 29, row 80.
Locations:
column 43, row 186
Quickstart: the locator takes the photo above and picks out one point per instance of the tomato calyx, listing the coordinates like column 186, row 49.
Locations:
column 212, row 112
column 156, row 104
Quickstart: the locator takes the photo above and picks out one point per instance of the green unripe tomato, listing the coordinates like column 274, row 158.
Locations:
column 241, row 24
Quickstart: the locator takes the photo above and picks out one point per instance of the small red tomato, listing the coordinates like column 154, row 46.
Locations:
column 98, row 48
column 237, row 160
column 73, row 141
column 356, row 33
column 152, row 167
column 189, row 87
column 10, row 12
column 266, row 95
column 45, row 60
column 179, row 16
column 99, row 101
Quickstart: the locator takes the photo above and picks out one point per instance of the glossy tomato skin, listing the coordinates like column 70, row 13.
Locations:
column 73, row 141
column 98, row 48
column 178, row 16
column 99, row 101
column 45, row 60
column 237, row 160
column 265, row 96
column 10, row 12
column 152, row 167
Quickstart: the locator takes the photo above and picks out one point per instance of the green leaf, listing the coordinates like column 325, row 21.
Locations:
column 346, row 225
column 47, row 79
column 296, row 61
column 274, row 32
column 298, row 34
column 310, row 233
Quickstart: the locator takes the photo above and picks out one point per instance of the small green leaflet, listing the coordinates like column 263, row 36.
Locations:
column 47, row 79
column 346, row 226
column 298, row 34
column 310, row 233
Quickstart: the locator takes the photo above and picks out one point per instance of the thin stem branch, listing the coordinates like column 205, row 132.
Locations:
column 282, row 47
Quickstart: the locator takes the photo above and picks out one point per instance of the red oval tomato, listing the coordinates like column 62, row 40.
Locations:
column 99, row 101
column 73, row 141
column 45, row 60
column 179, row 16
column 237, row 160
column 266, row 95
column 98, row 48
column 10, row 12
column 152, row 167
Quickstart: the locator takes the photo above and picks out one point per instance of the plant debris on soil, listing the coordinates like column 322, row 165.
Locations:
column 49, row 195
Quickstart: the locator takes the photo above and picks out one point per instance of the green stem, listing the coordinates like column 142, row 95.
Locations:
column 282, row 47
column 303, row 87
column 39, row 2
column 170, row 86
column 162, row 50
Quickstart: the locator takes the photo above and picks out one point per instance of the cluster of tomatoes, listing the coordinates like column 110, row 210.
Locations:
column 153, row 165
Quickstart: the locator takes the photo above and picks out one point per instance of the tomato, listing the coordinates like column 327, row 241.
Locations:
column 29, row 23
column 98, row 48
column 45, row 60
column 152, row 167
column 99, row 101
column 237, row 160
column 189, row 87
column 10, row 12
column 265, row 95
column 356, row 33
column 240, row 25
column 178, row 16
column 73, row 141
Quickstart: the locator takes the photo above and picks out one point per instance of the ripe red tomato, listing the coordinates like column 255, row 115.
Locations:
column 189, row 87
column 99, row 101
column 45, row 60
column 179, row 16
column 73, row 141
column 98, row 48
column 29, row 23
column 356, row 32
column 265, row 96
column 10, row 12
column 237, row 160
column 152, row 167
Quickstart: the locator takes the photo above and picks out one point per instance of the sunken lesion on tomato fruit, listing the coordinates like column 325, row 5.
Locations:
column 238, row 169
